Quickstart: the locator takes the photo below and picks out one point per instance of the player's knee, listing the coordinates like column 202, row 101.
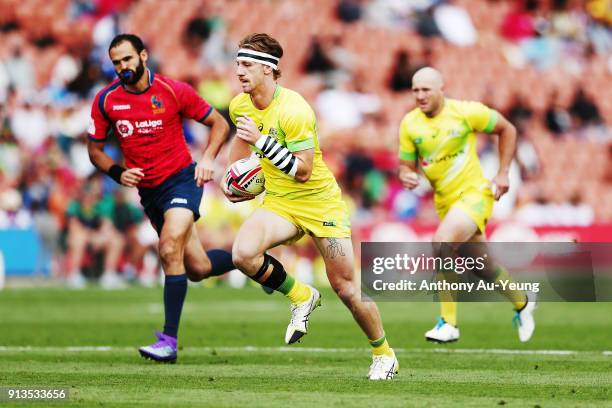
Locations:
column 242, row 257
column 169, row 250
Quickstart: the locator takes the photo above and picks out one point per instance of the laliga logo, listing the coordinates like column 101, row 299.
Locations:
column 125, row 128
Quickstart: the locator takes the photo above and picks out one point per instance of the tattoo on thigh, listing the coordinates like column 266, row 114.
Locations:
column 334, row 248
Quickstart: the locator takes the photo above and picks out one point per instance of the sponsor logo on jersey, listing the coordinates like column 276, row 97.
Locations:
column 455, row 133
column 273, row 132
column 329, row 223
column 157, row 105
column 125, row 128
column 149, row 123
column 178, row 201
column 121, row 107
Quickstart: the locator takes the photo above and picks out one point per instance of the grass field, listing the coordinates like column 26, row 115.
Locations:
column 232, row 353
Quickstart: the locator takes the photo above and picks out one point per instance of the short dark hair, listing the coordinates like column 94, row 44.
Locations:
column 131, row 38
column 263, row 42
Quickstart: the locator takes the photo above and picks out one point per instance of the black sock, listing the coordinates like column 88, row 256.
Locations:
column 220, row 261
column 175, row 290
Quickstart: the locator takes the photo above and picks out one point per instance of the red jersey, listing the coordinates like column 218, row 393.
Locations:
column 149, row 125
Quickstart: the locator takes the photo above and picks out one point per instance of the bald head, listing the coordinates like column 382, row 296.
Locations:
column 428, row 76
column 427, row 90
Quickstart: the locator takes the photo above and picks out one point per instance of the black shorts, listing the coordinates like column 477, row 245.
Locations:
column 178, row 190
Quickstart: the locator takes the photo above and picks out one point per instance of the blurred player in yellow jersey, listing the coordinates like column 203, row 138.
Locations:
column 439, row 137
column 302, row 197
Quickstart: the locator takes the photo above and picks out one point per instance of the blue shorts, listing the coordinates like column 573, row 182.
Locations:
column 178, row 190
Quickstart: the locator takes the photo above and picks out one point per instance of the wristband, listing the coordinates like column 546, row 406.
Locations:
column 115, row 172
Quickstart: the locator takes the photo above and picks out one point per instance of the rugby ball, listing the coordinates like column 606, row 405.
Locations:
column 245, row 177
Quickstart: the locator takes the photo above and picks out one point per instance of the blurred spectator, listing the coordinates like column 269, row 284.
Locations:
column 90, row 225
column 536, row 212
column 343, row 60
column 519, row 22
column 217, row 91
column 20, row 71
column 541, row 51
column 527, row 157
column 557, row 118
column 317, row 59
column 565, row 23
column 348, row 11
column 426, row 24
column 455, row 24
column 196, row 33
column 337, row 108
column 402, row 72
column 519, row 112
column 575, row 212
column 5, row 82
column 12, row 214
column 584, row 110
column 30, row 125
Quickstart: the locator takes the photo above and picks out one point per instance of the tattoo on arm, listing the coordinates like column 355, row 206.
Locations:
column 334, row 248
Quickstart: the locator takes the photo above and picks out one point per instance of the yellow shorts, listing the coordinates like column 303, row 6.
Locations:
column 476, row 203
column 323, row 219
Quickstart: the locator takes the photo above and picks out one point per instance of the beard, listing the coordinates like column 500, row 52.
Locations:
column 131, row 77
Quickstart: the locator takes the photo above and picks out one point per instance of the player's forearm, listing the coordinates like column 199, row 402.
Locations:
column 218, row 135
column 278, row 155
column 104, row 162
column 239, row 150
column 100, row 160
column 507, row 147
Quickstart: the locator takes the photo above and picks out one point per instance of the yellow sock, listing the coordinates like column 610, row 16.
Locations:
column 448, row 311
column 381, row 347
column 517, row 297
column 299, row 293
column 448, row 304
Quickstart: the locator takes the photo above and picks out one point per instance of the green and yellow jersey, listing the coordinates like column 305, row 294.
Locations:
column 292, row 122
column 445, row 145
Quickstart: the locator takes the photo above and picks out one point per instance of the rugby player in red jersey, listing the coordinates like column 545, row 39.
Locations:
column 145, row 112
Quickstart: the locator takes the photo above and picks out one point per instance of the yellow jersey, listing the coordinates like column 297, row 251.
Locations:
column 292, row 122
column 445, row 145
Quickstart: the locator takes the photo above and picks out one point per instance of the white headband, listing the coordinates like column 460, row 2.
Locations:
column 245, row 54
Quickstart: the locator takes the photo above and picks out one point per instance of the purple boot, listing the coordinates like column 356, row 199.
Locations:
column 163, row 351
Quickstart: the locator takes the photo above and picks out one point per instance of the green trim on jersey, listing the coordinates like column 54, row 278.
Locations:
column 492, row 122
column 407, row 155
column 300, row 145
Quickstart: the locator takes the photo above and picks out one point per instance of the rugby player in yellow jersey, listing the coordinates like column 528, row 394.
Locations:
column 302, row 197
column 439, row 137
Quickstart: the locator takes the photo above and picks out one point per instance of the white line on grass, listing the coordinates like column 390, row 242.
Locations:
column 35, row 349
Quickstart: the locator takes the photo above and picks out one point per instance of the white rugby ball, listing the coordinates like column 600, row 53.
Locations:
column 245, row 177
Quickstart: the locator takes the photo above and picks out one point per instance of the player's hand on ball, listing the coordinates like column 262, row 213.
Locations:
column 409, row 179
column 232, row 197
column 501, row 184
column 131, row 177
column 204, row 171
column 246, row 129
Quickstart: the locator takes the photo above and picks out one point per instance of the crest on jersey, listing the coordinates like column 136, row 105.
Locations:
column 157, row 105
column 124, row 127
column 273, row 132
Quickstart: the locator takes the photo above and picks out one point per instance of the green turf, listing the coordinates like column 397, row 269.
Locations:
column 215, row 368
